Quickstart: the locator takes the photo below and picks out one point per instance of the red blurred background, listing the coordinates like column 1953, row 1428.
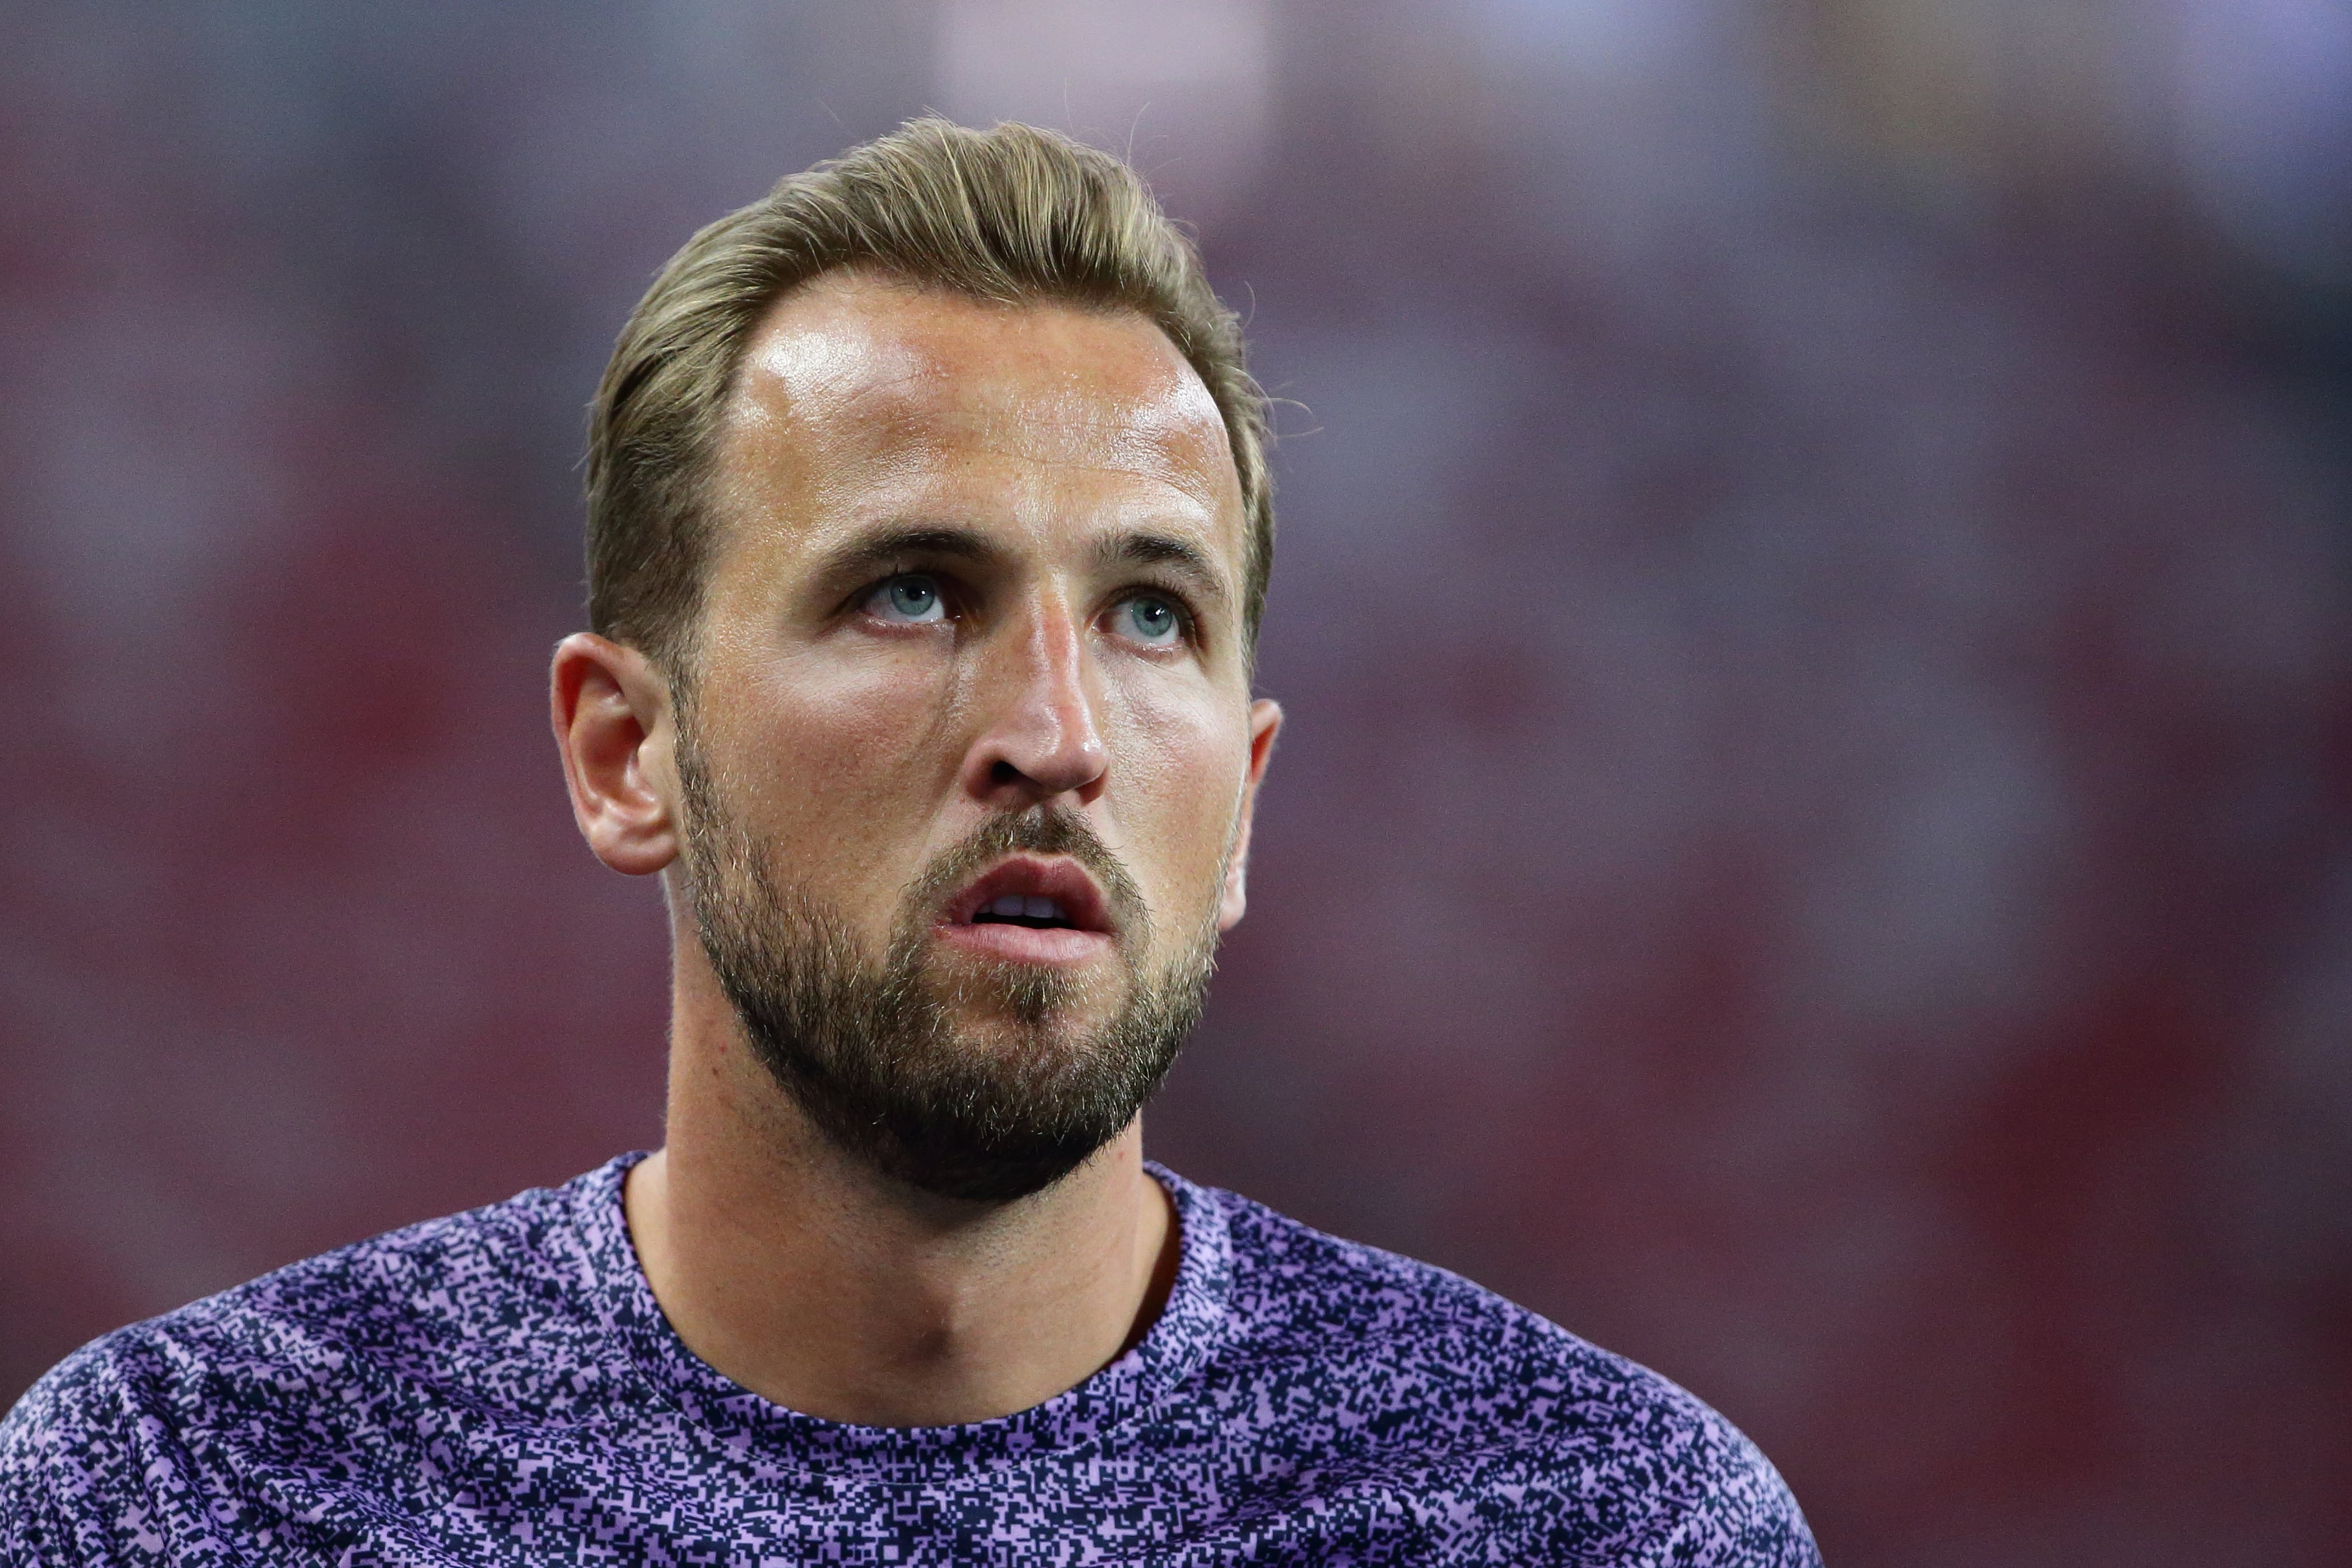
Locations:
column 1814, row 840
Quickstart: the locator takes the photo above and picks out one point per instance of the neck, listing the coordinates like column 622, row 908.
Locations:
column 821, row 1285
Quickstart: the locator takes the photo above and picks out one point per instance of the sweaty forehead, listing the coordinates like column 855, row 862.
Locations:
column 854, row 375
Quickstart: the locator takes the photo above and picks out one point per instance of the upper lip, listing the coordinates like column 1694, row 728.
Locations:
column 1064, row 881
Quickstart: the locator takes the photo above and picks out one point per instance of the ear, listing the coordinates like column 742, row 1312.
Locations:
column 614, row 724
column 1264, row 721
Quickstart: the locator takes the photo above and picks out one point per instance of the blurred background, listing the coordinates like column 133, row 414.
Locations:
column 1814, row 840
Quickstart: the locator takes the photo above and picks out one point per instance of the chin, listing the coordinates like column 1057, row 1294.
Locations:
column 1018, row 1009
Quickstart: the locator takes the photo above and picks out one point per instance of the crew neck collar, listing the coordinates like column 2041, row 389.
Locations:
column 1122, row 1393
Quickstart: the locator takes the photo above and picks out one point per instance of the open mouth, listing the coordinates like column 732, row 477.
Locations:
column 1052, row 895
column 1023, row 909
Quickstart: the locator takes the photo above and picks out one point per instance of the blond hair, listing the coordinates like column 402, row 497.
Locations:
column 1015, row 214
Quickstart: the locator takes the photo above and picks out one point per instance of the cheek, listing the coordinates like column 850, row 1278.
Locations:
column 1180, row 752
column 842, row 763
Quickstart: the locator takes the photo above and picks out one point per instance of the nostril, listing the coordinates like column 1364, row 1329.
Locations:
column 1002, row 772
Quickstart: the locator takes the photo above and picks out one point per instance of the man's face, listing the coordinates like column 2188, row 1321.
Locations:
column 968, row 747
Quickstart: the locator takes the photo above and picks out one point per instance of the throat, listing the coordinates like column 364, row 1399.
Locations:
column 918, row 1313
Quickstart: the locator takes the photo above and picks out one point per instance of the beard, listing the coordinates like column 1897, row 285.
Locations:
column 873, row 1054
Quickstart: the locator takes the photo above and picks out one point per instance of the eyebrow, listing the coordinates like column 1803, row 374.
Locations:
column 1165, row 549
column 878, row 550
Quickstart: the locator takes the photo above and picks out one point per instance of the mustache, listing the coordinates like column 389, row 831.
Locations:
column 1041, row 829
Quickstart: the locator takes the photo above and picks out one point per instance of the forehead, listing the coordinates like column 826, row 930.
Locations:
column 859, row 387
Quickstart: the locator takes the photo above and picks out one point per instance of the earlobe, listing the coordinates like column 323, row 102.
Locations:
column 611, row 715
column 1265, row 723
column 1234, row 902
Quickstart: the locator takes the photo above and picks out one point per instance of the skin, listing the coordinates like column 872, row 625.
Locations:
column 1074, row 478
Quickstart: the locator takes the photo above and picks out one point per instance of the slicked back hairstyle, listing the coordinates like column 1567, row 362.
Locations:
column 1015, row 214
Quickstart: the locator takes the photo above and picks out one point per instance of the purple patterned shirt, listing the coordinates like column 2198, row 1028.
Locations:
column 499, row 1387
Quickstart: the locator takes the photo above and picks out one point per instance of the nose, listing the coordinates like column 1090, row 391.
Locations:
column 1039, row 738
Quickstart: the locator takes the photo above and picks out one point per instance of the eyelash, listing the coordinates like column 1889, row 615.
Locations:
column 953, row 596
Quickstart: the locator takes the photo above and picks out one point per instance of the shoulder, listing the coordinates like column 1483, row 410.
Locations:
column 147, row 1428
column 64, row 1441
column 1506, row 1402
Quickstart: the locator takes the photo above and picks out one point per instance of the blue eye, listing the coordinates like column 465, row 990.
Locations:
column 911, row 600
column 1149, row 619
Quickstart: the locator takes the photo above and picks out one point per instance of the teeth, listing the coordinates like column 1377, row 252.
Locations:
column 1024, row 906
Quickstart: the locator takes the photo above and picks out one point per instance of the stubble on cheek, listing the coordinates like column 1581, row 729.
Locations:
column 846, row 779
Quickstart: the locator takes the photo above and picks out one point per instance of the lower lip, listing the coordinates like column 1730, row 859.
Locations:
column 1057, row 945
